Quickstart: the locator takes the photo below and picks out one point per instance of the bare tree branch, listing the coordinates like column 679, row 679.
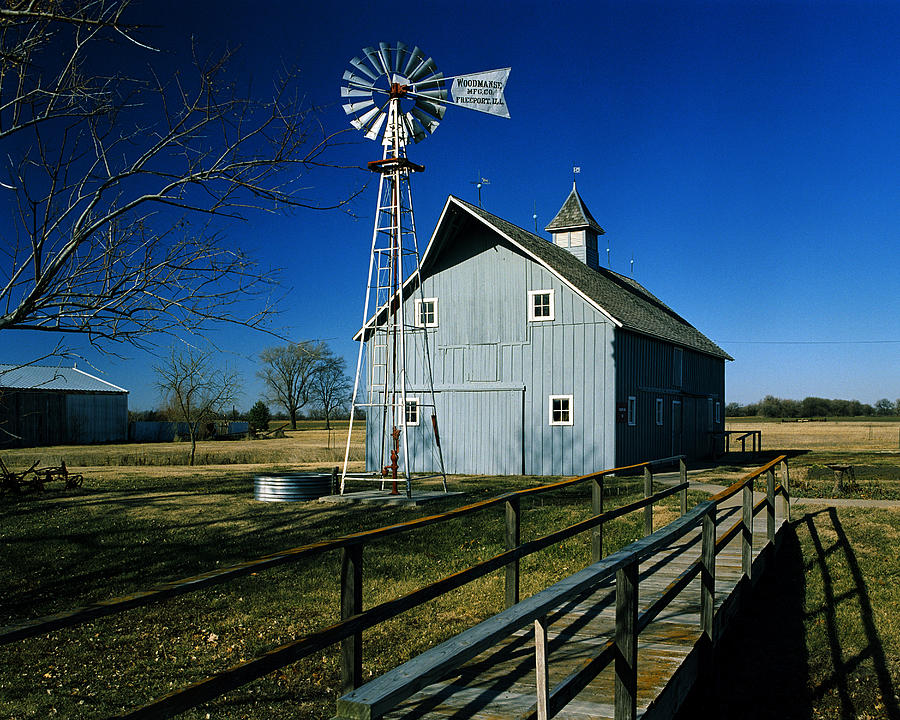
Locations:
column 108, row 176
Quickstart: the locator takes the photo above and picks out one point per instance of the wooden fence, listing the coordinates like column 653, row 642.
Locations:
column 354, row 620
column 382, row 694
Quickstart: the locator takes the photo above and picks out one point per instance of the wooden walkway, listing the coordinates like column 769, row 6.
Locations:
column 500, row 682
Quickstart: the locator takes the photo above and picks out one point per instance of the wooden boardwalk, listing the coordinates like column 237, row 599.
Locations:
column 500, row 683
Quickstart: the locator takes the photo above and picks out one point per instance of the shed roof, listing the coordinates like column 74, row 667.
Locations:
column 574, row 215
column 625, row 301
column 43, row 377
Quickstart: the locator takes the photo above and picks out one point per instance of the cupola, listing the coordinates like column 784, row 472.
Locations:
column 575, row 229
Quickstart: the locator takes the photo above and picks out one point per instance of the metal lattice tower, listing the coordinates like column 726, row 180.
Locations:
column 390, row 342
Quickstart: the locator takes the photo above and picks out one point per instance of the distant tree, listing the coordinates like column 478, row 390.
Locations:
column 259, row 416
column 883, row 407
column 288, row 372
column 897, row 406
column 331, row 386
column 814, row 407
column 195, row 390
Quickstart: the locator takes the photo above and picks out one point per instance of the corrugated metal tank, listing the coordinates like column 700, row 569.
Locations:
column 292, row 487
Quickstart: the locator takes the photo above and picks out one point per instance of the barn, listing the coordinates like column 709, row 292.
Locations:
column 41, row 405
column 544, row 362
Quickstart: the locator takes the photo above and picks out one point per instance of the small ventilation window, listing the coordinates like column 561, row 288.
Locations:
column 632, row 410
column 659, row 411
column 540, row 305
column 561, row 410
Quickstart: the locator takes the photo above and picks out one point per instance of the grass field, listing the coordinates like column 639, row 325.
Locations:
column 134, row 524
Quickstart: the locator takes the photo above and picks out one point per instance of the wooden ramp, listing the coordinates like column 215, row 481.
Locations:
column 497, row 678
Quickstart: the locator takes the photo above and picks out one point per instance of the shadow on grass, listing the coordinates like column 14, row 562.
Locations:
column 762, row 663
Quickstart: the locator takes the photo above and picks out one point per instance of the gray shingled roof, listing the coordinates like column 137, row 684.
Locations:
column 620, row 297
column 573, row 215
column 42, row 377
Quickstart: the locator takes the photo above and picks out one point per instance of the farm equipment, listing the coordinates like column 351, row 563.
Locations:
column 35, row 478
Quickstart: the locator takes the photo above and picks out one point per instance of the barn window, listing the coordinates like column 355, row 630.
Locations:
column 718, row 412
column 540, row 305
column 659, row 411
column 427, row 312
column 412, row 411
column 576, row 238
column 561, row 410
column 562, row 239
column 677, row 362
column 632, row 410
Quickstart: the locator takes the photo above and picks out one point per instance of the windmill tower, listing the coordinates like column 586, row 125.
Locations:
column 396, row 95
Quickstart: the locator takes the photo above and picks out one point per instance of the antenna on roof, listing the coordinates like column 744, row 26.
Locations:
column 632, row 264
column 478, row 183
column 575, row 170
column 534, row 216
column 608, row 264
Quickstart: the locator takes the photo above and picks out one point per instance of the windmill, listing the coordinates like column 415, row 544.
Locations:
column 396, row 95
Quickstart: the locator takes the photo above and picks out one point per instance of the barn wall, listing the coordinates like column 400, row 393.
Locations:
column 645, row 370
column 97, row 417
column 30, row 419
column 494, row 370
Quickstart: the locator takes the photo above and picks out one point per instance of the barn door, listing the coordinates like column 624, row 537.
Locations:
column 481, row 431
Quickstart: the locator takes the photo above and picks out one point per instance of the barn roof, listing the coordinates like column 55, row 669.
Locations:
column 623, row 300
column 43, row 377
column 574, row 215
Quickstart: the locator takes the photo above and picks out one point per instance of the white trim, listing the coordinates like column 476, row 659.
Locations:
column 632, row 410
column 569, row 410
column 532, row 294
column 417, row 314
column 659, row 411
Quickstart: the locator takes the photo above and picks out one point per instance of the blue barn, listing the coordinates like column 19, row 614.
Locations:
column 545, row 363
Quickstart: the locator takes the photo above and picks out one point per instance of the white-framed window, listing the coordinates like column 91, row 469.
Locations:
column 677, row 364
column 426, row 312
column 561, row 412
column 411, row 416
column 718, row 412
column 632, row 410
column 540, row 305
column 576, row 238
column 659, row 411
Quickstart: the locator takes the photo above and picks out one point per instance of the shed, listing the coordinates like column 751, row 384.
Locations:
column 545, row 363
column 51, row 405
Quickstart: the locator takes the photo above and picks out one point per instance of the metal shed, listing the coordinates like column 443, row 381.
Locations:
column 546, row 363
column 52, row 405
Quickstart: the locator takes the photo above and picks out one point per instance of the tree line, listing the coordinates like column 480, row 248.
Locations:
column 196, row 390
column 809, row 407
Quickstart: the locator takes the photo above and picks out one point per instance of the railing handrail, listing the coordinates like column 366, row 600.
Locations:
column 164, row 591
column 738, row 485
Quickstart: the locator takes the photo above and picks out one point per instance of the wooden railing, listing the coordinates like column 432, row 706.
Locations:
column 382, row 694
column 354, row 620
column 755, row 437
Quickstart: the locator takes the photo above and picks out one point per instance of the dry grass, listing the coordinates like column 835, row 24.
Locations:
column 830, row 435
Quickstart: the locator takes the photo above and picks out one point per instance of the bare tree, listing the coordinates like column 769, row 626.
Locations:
column 195, row 391
column 288, row 372
column 104, row 174
column 331, row 386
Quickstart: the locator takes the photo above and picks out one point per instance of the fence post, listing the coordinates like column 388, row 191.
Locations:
column 708, row 574
column 747, row 530
column 648, row 491
column 786, row 497
column 682, row 470
column 597, row 509
column 351, row 604
column 513, row 515
column 770, row 505
column 626, row 642
column 540, row 667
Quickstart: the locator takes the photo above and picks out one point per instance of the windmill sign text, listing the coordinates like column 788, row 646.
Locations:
column 482, row 91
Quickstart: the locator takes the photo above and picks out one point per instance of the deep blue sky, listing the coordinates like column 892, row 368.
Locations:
column 746, row 154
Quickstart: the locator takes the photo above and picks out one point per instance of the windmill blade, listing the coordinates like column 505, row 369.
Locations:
column 352, row 108
column 375, row 127
column 363, row 68
column 430, row 107
column 416, row 128
column 352, row 78
column 400, row 57
column 386, row 52
column 416, row 58
column 363, row 121
column 425, row 69
column 355, row 91
column 428, row 122
column 374, row 58
column 434, row 96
